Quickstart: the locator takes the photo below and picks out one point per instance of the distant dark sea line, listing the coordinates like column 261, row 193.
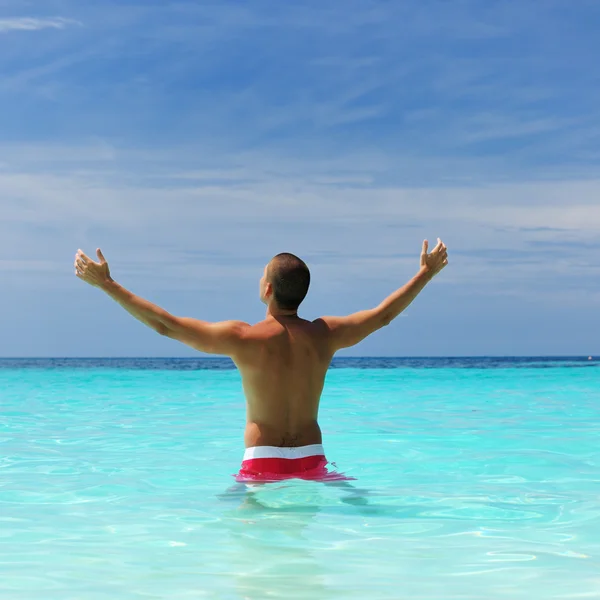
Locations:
column 369, row 362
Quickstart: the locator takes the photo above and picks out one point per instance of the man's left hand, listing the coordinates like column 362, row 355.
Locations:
column 94, row 273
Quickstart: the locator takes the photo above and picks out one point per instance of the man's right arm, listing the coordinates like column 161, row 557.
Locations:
column 226, row 337
column 347, row 331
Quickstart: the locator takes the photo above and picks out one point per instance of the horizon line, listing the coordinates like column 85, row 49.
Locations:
column 458, row 356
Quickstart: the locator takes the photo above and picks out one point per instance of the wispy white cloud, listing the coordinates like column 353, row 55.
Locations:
column 193, row 226
column 35, row 24
column 301, row 76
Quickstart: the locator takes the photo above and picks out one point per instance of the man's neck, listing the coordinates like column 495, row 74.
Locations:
column 276, row 312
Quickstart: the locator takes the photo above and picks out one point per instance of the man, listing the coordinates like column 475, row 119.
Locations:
column 283, row 360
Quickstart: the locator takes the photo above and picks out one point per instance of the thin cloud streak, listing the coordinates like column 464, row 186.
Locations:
column 33, row 24
column 193, row 229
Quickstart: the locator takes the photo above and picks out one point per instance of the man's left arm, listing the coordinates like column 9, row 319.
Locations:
column 223, row 338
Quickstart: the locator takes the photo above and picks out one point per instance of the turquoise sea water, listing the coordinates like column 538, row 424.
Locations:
column 478, row 478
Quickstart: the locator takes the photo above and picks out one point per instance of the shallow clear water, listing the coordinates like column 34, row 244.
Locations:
column 478, row 479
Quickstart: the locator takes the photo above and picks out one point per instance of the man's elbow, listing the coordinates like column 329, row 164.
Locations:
column 167, row 326
column 385, row 319
column 162, row 329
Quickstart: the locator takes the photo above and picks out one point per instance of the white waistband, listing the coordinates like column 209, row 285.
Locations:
column 277, row 452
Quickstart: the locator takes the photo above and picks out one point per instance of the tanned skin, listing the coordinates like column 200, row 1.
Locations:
column 283, row 359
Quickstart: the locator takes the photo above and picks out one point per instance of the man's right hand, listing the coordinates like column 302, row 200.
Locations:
column 434, row 261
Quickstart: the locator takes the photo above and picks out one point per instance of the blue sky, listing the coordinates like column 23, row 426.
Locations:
column 194, row 140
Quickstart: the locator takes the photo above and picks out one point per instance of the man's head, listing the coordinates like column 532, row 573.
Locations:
column 285, row 282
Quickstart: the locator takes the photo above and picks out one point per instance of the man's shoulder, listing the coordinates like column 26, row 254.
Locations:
column 323, row 324
column 271, row 329
column 260, row 330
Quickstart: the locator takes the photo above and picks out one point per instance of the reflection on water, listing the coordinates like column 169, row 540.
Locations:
column 272, row 545
column 269, row 550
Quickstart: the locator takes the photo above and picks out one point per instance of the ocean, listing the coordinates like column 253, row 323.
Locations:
column 475, row 478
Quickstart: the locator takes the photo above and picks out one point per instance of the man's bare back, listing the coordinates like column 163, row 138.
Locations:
column 283, row 360
column 283, row 367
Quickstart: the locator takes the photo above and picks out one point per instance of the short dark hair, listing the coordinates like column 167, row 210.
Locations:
column 290, row 279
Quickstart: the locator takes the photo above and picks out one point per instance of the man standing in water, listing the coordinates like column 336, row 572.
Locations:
column 283, row 360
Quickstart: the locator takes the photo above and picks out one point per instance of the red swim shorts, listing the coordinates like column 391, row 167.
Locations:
column 271, row 463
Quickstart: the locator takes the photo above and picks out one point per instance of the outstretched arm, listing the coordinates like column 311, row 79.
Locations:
column 352, row 329
column 215, row 338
